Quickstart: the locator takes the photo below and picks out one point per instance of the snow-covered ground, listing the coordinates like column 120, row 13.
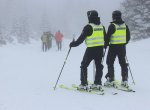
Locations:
column 27, row 78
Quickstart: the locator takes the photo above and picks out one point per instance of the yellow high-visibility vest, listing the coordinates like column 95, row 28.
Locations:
column 97, row 37
column 119, row 36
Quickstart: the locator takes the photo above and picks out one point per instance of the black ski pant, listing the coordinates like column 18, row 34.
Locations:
column 120, row 52
column 59, row 45
column 50, row 44
column 96, row 54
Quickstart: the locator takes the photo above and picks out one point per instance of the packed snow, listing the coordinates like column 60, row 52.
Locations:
column 28, row 75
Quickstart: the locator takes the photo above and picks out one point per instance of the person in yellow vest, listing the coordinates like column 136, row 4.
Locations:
column 94, row 36
column 44, row 39
column 118, row 35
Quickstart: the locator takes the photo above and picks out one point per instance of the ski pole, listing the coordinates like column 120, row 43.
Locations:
column 103, row 55
column 94, row 73
column 62, row 67
column 130, row 70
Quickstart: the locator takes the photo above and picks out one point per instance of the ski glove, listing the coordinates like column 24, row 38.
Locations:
column 72, row 44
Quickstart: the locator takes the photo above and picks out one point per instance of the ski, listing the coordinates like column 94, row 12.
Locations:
column 114, row 92
column 102, row 91
column 117, row 85
column 74, row 88
column 99, row 92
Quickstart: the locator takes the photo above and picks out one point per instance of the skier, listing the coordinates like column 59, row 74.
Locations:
column 44, row 39
column 59, row 38
column 118, row 35
column 50, row 38
column 94, row 35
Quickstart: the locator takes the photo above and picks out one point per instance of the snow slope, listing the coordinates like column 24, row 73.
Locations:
column 27, row 78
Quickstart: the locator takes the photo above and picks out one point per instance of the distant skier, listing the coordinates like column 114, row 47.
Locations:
column 118, row 36
column 44, row 39
column 50, row 38
column 93, row 34
column 59, row 38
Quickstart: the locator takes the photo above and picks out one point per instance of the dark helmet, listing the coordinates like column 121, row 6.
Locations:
column 116, row 14
column 92, row 13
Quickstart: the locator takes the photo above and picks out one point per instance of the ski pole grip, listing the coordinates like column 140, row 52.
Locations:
column 73, row 39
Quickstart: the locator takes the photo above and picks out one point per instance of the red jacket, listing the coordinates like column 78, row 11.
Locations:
column 58, row 36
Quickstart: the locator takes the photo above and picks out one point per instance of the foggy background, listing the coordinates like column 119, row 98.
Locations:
column 68, row 16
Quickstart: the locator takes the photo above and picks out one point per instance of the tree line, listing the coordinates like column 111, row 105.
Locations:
column 136, row 13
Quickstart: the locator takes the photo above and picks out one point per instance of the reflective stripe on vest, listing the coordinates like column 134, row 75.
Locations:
column 119, row 36
column 97, row 37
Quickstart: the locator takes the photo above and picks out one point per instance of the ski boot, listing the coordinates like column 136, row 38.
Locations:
column 125, row 84
column 110, row 82
column 83, row 88
column 96, row 87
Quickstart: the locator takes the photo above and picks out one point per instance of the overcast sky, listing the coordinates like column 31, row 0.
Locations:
column 67, row 15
